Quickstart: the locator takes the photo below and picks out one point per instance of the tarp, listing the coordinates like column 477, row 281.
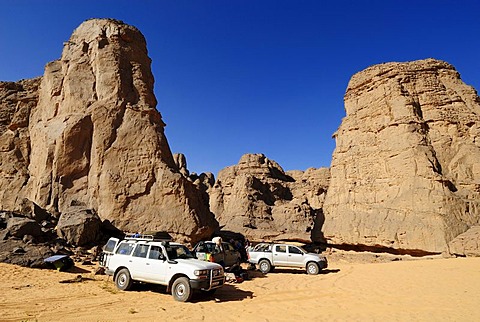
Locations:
column 54, row 258
column 60, row 262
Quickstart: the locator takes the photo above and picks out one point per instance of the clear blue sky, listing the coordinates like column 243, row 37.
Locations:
column 253, row 76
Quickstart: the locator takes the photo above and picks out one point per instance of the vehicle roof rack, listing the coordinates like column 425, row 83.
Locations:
column 138, row 237
column 147, row 237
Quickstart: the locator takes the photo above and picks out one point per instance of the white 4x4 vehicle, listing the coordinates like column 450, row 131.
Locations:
column 268, row 256
column 145, row 259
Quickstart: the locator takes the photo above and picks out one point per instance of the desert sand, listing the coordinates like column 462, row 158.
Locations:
column 394, row 289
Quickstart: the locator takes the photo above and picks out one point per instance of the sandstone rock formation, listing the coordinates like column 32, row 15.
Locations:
column 17, row 99
column 95, row 141
column 257, row 198
column 405, row 173
column 466, row 244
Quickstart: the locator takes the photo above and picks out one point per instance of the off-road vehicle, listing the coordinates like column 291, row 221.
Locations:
column 146, row 259
column 268, row 256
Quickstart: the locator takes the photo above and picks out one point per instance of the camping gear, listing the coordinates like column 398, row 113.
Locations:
column 60, row 262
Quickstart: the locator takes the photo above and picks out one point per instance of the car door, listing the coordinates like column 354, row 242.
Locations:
column 280, row 256
column 295, row 256
column 137, row 263
column 231, row 254
column 107, row 251
column 156, row 265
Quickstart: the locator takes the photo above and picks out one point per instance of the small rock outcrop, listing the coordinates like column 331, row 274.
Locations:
column 258, row 199
column 466, row 244
column 405, row 172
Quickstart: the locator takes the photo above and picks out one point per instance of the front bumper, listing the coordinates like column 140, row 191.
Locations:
column 206, row 284
column 323, row 263
column 215, row 279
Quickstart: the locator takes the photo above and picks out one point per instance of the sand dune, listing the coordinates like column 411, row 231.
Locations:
column 404, row 290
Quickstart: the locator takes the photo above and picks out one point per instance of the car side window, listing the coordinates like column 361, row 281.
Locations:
column 155, row 252
column 125, row 249
column 109, row 247
column 294, row 250
column 281, row 249
column 210, row 247
column 141, row 251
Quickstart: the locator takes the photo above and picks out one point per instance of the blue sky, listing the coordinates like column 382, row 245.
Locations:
column 253, row 76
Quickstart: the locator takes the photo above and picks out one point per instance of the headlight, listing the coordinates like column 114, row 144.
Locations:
column 201, row 272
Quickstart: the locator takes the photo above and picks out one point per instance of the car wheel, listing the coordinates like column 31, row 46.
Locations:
column 181, row 289
column 264, row 266
column 123, row 281
column 312, row 268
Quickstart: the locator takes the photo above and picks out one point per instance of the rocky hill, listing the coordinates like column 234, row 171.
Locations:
column 405, row 173
column 258, row 199
column 85, row 144
column 95, row 140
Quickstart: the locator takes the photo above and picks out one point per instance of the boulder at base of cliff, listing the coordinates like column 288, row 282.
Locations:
column 19, row 253
column 467, row 244
column 79, row 227
column 21, row 226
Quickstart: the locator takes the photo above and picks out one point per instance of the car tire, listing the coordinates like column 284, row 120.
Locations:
column 123, row 281
column 312, row 268
column 181, row 290
column 264, row 266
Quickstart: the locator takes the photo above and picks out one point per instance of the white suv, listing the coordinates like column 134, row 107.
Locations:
column 146, row 259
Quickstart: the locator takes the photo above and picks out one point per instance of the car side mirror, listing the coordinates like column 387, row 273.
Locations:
column 161, row 257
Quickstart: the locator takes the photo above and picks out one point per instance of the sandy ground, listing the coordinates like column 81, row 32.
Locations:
column 369, row 288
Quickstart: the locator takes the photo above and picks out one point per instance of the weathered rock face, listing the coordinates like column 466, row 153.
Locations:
column 17, row 99
column 97, row 141
column 405, row 173
column 258, row 199
column 467, row 244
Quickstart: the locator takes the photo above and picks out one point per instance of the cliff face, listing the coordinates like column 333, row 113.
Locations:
column 257, row 198
column 405, row 172
column 17, row 99
column 98, row 142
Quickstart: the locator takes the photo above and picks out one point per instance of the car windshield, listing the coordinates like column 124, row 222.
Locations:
column 303, row 249
column 178, row 252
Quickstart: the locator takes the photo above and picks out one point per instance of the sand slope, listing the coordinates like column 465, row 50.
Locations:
column 425, row 290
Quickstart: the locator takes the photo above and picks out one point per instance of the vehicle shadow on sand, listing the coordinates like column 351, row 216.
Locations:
column 77, row 270
column 298, row 271
column 227, row 293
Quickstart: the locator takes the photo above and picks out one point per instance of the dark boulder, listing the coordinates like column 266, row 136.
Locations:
column 79, row 227
column 17, row 252
column 21, row 226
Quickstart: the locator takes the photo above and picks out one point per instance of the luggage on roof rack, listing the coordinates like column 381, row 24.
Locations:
column 138, row 237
